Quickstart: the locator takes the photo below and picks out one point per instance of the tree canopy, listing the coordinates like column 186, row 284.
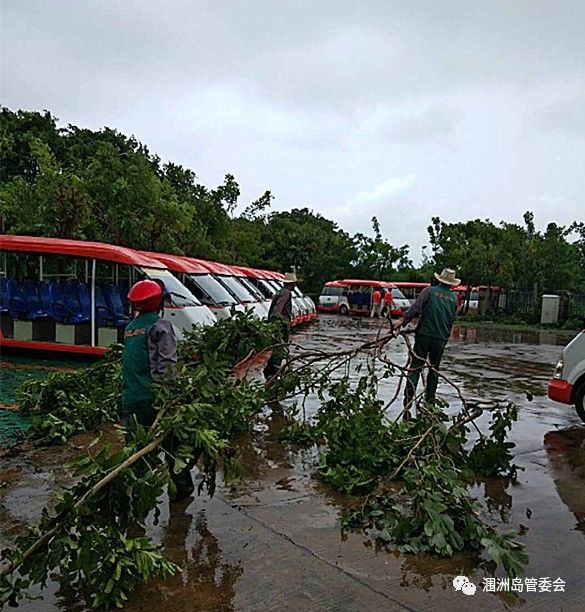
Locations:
column 102, row 185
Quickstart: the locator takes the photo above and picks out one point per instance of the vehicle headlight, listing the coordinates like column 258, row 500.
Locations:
column 559, row 369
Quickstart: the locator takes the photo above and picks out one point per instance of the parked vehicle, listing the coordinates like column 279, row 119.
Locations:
column 568, row 382
column 469, row 297
column 256, row 280
column 304, row 304
column 70, row 295
column 236, row 284
column 203, row 285
column 269, row 282
column 410, row 290
column 333, row 298
column 355, row 296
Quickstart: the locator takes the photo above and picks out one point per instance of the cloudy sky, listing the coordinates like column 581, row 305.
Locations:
column 403, row 110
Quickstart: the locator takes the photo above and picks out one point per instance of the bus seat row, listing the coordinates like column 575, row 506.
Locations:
column 63, row 301
column 358, row 298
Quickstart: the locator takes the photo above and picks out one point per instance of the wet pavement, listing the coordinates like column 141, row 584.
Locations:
column 273, row 541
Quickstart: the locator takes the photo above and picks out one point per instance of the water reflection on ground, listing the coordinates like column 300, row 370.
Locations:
column 273, row 540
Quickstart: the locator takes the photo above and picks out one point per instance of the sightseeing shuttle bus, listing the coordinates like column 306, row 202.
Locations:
column 70, row 295
column 355, row 296
column 410, row 290
column 255, row 284
column 235, row 282
column 203, row 285
column 266, row 282
column 269, row 282
column 306, row 306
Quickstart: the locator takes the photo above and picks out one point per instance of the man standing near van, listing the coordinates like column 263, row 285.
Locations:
column 281, row 311
column 376, row 304
column 435, row 308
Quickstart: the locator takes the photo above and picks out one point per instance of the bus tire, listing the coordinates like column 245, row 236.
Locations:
column 343, row 309
column 580, row 401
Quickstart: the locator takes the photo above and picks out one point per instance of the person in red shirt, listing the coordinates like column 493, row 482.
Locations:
column 376, row 304
column 388, row 303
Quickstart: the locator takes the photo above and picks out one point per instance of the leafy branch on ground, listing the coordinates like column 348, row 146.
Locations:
column 408, row 478
column 89, row 536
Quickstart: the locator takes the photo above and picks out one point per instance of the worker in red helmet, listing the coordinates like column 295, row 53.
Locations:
column 150, row 354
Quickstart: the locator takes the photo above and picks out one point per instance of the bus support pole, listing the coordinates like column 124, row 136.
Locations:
column 93, row 302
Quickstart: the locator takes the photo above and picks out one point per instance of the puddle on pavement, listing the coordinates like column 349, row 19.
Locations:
column 273, row 539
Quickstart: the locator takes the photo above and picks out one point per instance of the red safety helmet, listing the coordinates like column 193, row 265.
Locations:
column 146, row 296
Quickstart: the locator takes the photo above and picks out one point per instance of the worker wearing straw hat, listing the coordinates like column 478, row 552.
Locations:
column 281, row 312
column 435, row 308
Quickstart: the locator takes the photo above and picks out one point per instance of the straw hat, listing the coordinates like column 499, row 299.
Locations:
column 289, row 277
column 447, row 277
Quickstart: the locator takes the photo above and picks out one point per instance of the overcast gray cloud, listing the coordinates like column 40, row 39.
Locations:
column 404, row 110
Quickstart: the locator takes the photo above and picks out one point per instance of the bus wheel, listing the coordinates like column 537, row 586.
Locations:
column 580, row 401
column 343, row 309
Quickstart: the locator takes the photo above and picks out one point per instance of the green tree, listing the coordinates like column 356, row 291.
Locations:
column 376, row 258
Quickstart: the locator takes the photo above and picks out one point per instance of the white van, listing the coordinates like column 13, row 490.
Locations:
column 568, row 382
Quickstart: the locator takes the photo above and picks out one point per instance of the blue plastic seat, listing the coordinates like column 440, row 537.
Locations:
column 112, row 295
column 16, row 301
column 106, row 315
column 33, row 301
column 46, row 298
column 84, row 299
column 3, row 294
column 73, row 304
column 61, row 312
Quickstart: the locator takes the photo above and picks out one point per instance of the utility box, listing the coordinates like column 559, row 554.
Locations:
column 23, row 330
column 107, row 336
column 550, row 309
column 73, row 334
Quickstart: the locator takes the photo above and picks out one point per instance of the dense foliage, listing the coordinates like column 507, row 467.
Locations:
column 90, row 537
column 102, row 185
column 66, row 403
column 512, row 256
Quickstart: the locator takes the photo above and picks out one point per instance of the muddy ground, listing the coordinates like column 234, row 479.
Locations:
column 273, row 541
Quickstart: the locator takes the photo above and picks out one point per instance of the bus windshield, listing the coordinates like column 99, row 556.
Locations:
column 250, row 287
column 179, row 294
column 212, row 291
column 335, row 291
column 234, row 285
column 274, row 283
column 267, row 289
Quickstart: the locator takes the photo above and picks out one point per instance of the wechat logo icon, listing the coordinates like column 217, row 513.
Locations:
column 462, row 583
